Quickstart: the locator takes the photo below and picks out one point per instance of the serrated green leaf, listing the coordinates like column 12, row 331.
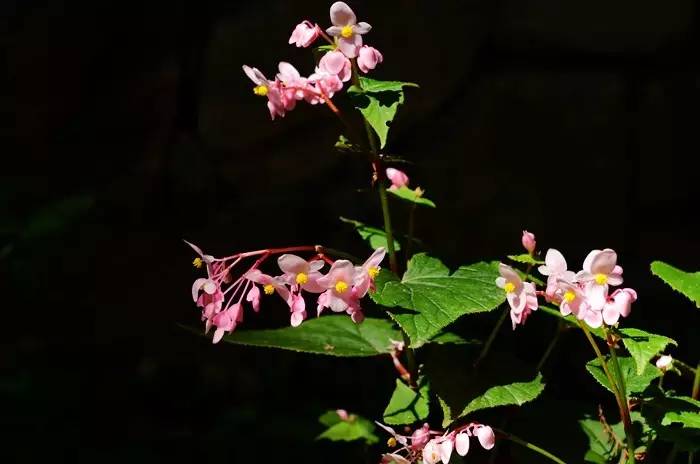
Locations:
column 644, row 345
column 354, row 428
column 412, row 196
column 689, row 420
column 330, row 335
column 374, row 236
column 525, row 258
column 657, row 408
column 634, row 383
column 436, row 298
column 407, row 406
column 602, row 446
column 687, row 283
column 378, row 102
column 516, row 394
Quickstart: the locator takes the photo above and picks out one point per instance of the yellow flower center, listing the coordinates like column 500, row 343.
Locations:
column 302, row 278
column 601, row 279
column 197, row 262
column 569, row 296
column 269, row 289
column 260, row 90
column 391, row 442
column 509, row 287
column 373, row 272
column 346, row 32
column 341, row 286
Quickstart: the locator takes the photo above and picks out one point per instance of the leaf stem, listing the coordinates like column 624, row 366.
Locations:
column 552, row 344
column 492, row 337
column 528, row 445
column 626, row 419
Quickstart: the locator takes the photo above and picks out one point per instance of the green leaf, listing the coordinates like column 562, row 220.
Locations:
column 517, row 393
column 354, row 428
column 407, row 406
column 687, row 283
column 525, row 258
column 331, row 335
column 690, row 420
column 634, row 383
column 378, row 102
column 412, row 196
column 374, row 236
column 449, row 338
column 602, row 447
column 644, row 345
column 434, row 297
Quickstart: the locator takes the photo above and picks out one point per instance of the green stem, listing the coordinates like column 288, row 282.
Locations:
column 528, row 445
column 696, row 384
column 550, row 347
column 626, row 419
column 492, row 337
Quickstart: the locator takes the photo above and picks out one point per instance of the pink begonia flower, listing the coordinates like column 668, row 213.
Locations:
column 529, row 242
column 420, row 437
column 368, row 58
column 343, row 414
column 326, row 85
column 253, row 296
column 203, row 259
column 226, row 321
column 294, row 87
column 486, row 437
column 664, row 362
column 573, row 300
column 398, row 178
column 521, row 296
column 555, row 268
column 431, row 452
column 270, row 284
column 336, row 63
column 338, row 284
column 298, row 308
column 393, row 458
column 365, row 274
column 619, row 304
column 266, row 88
column 208, row 286
column 600, row 269
column 401, row 439
column 462, row 443
column 446, row 447
column 304, row 34
column 347, row 31
column 299, row 272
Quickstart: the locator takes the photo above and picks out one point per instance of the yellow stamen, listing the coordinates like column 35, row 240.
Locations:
column 260, row 90
column 341, row 286
column 269, row 289
column 509, row 287
column 601, row 279
column 302, row 278
column 569, row 296
column 391, row 442
column 373, row 272
column 346, row 32
column 197, row 262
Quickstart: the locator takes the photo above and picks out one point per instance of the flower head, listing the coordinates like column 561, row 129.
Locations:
column 555, row 269
column 618, row 304
column 304, row 34
column 299, row 272
column 368, row 58
column 600, row 269
column 266, row 88
column 398, row 178
column 346, row 30
column 521, row 296
column 664, row 362
column 334, row 62
column 365, row 274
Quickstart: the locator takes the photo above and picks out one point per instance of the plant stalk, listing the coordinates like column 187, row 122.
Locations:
column 550, row 347
column 492, row 337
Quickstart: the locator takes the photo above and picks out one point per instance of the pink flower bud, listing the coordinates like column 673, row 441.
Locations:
column 664, row 362
column 486, row 436
column 304, row 34
column 343, row 414
column 336, row 63
column 368, row 58
column 529, row 241
column 398, row 178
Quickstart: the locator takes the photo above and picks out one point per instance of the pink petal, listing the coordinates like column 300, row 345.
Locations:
column 340, row 270
column 292, row 264
column 196, row 286
column 604, row 262
column 210, row 286
column 253, row 297
column 195, row 248
column 334, row 31
column 350, row 46
column 342, row 15
column 554, row 261
column 462, row 443
column 596, row 295
column 361, row 28
column 610, row 314
column 615, row 279
column 594, row 318
column 486, row 437
column 589, row 260
column 510, row 275
column 254, row 75
column 446, row 448
column 288, row 71
column 297, row 318
column 316, row 265
column 218, row 335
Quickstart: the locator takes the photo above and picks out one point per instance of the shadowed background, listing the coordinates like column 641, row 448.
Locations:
column 132, row 127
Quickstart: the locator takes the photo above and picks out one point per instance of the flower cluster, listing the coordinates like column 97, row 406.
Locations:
column 433, row 447
column 585, row 294
column 220, row 297
column 333, row 69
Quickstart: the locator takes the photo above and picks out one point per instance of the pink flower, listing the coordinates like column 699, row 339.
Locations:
column 398, row 178
column 270, row 284
column 343, row 414
column 347, row 31
column 325, row 84
column 573, row 300
column 446, row 447
column 420, row 437
column 368, row 58
column 618, row 304
column 298, row 307
column 365, row 274
column 528, row 241
column 304, row 34
column 335, row 62
column 486, row 437
column 432, row 452
column 253, row 297
column 338, row 284
column 266, row 88
column 400, row 439
column 294, row 86
column 521, row 296
column 299, row 272
column 226, row 321
column 462, row 443
column 664, row 362
column 555, row 269
column 600, row 270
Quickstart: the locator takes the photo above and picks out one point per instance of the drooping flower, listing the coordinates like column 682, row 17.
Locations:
column 431, row 452
column 368, row 58
column 365, row 274
column 664, row 362
column 326, row 84
column 266, row 88
column 529, row 242
column 462, row 443
column 446, row 447
column 398, row 178
column 339, row 295
column 486, row 437
column 347, row 31
column 600, row 269
column 555, row 269
column 420, row 437
column 299, row 272
column 521, row 296
column 294, row 86
column 226, row 321
column 297, row 305
column 334, row 62
column 618, row 304
column 304, row 34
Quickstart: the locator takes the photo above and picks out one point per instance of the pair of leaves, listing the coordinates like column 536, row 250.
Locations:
column 435, row 298
column 374, row 236
column 351, row 429
column 634, row 383
column 378, row 102
column 687, row 283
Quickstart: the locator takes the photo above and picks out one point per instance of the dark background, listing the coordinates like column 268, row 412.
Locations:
column 131, row 126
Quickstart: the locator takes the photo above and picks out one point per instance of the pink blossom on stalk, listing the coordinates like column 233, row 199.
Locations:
column 486, row 437
column 343, row 414
column 420, row 437
column 304, row 34
column 573, row 300
column 446, row 447
column 600, row 269
column 555, row 268
column 226, row 321
column 619, row 304
column 462, row 443
column 334, row 62
column 521, row 296
column 253, row 297
column 347, row 31
column 398, row 178
column 299, row 272
column 664, row 362
column 365, row 274
column 400, row 439
column 266, row 88
column 368, row 58
column 326, row 84
column 297, row 305
column 528, row 241
column 432, row 452
column 338, row 284
column 270, row 284
column 295, row 87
